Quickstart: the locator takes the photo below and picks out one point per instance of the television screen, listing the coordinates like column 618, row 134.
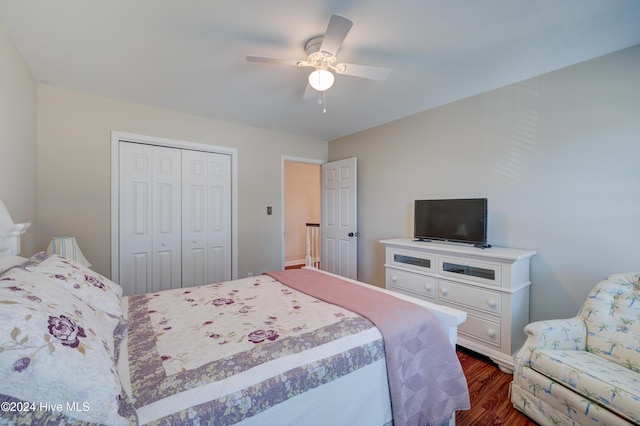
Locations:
column 455, row 220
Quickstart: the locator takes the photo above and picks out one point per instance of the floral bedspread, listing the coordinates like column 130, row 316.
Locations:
column 223, row 352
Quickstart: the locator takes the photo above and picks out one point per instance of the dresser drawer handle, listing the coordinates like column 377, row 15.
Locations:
column 491, row 332
column 428, row 288
column 492, row 303
column 394, row 279
column 444, row 292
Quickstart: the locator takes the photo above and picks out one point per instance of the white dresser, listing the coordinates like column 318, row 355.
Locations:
column 491, row 285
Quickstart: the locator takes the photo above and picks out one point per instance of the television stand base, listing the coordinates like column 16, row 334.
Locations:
column 459, row 243
column 482, row 246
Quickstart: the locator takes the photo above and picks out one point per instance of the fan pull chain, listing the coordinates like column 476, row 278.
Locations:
column 324, row 102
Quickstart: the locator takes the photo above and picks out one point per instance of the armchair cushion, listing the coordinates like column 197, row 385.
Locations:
column 593, row 377
column 549, row 403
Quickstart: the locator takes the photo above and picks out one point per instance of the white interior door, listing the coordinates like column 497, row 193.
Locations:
column 135, row 232
column 206, row 218
column 167, row 217
column 149, row 232
column 219, row 235
column 339, row 218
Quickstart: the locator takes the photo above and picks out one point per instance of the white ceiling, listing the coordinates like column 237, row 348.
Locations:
column 189, row 55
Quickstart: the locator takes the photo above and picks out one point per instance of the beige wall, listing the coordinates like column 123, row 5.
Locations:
column 18, row 140
column 74, row 179
column 301, row 206
column 557, row 157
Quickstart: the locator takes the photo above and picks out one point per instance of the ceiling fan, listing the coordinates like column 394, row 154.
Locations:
column 322, row 54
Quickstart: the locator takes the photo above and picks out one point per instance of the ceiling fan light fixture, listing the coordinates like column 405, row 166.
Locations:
column 321, row 79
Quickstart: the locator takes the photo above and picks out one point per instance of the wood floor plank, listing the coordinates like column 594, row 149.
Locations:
column 489, row 394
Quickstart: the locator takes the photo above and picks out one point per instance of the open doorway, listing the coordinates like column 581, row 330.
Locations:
column 301, row 206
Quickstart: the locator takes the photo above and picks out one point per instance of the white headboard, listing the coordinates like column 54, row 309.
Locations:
column 10, row 233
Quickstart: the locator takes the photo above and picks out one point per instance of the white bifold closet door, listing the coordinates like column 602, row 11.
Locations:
column 150, row 212
column 206, row 218
column 174, row 218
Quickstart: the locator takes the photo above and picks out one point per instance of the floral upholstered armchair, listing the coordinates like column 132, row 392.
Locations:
column 584, row 370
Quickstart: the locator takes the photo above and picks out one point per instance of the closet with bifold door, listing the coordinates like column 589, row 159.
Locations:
column 174, row 217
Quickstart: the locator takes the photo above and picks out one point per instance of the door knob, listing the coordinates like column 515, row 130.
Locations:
column 354, row 234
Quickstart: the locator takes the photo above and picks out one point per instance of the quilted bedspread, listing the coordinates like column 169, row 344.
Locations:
column 210, row 355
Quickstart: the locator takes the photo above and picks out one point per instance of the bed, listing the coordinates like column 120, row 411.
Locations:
column 287, row 347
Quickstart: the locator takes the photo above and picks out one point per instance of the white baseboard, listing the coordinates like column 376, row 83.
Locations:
column 298, row 262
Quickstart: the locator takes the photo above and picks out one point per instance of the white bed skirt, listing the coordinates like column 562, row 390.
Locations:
column 365, row 392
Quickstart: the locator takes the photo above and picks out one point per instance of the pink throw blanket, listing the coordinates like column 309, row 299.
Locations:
column 426, row 381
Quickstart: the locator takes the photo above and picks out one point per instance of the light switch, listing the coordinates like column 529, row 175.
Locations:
column 269, row 210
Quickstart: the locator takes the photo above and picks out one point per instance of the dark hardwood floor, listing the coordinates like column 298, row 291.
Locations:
column 489, row 393
column 300, row 266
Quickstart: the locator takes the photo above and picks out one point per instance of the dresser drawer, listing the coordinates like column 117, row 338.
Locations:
column 486, row 273
column 477, row 298
column 415, row 284
column 481, row 329
column 409, row 259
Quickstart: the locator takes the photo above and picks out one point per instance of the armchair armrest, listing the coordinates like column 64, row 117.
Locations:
column 568, row 333
column 632, row 277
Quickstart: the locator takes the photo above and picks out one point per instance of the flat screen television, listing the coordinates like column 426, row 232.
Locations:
column 461, row 220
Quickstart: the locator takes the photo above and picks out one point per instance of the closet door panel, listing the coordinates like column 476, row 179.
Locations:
column 149, row 223
column 194, row 216
column 164, row 270
column 167, row 217
column 138, row 278
column 206, row 187
column 136, row 227
column 216, row 260
column 219, row 235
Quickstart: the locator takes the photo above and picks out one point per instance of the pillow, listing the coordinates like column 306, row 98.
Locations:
column 92, row 288
column 56, row 349
column 8, row 262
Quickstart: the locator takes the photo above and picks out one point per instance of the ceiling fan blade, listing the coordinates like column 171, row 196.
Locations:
column 364, row 71
column 277, row 61
column 337, row 30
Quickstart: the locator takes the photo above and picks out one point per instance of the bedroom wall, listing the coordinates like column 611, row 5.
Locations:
column 557, row 157
column 74, row 146
column 18, row 140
